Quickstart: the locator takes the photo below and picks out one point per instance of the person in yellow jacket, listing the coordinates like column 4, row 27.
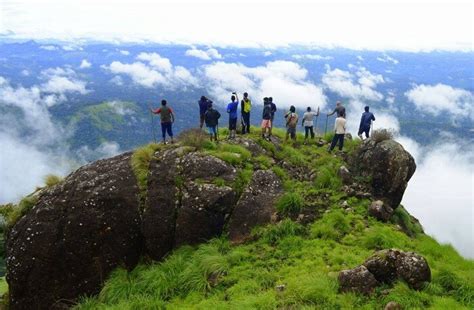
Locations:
column 245, row 107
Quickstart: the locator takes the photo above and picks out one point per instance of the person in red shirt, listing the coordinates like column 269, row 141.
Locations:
column 167, row 120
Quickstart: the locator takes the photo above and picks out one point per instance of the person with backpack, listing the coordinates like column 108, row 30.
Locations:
column 211, row 118
column 307, row 122
column 245, row 107
column 203, row 103
column 339, row 110
column 274, row 109
column 291, row 122
column 339, row 133
column 232, row 110
column 266, row 119
column 365, row 123
column 167, row 119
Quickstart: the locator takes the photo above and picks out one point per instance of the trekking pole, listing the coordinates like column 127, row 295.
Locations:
column 326, row 128
column 152, row 123
column 317, row 116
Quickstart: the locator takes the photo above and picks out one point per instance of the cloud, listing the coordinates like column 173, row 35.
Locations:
column 153, row 70
column 117, row 80
column 312, row 57
column 440, row 194
column 49, row 47
column 85, row 64
column 25, row 72
column 435, row 99
column 124, row 52
column 59, row 83
column 387, row 58
column 120, row 108
column 106, row 149
column 208, row 54
column 23, row 167
column 72, row 47
column 267, row 53
column 287, row 82
column 32, row 143
column 357, row 86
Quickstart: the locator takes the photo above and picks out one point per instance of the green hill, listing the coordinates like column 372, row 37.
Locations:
column 319, row 229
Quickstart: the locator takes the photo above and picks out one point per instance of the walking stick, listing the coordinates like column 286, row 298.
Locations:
column 317, row 116
column 326, row 128
column 152, row 124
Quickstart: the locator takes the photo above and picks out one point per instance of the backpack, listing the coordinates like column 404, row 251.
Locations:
column 292, row 120
column 165, row 114
column 247, row 106
column 267, row 111
column 212, row 117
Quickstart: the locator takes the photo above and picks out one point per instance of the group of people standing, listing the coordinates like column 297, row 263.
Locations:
column 210, row 117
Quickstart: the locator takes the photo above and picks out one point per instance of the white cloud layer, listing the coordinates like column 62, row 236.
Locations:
column 209, row 54
column 153, row 70
column 439, row 98
column 285, row 81
column 311, row 57
column 440, row 194
column 368, row 24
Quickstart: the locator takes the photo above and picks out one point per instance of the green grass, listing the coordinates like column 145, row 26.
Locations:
column 305, row 262
column 51, row 180
column 140, row 163
column 12, row 213
column 290, row 203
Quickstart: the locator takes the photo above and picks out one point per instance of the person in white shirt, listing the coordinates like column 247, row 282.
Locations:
column 307, row 122
column 340, row 131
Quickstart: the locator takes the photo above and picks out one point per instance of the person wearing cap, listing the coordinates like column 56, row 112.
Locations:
column 339, row 110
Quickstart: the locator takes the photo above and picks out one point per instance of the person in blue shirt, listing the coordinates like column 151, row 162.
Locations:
column 232, row 110
column 365, row 123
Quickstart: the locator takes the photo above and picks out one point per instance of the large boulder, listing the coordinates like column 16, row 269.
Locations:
column 389, row 265
column 386, row 166
column 92, row 222
column 357, row 280
column 256, row 205
column 76, row 234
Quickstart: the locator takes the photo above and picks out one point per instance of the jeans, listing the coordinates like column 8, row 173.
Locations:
column 245, row 122
column 307, row 130
column 337, row 138
column 166, row 127
column 365, row 130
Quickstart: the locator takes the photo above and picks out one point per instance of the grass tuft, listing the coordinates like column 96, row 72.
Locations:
column 290, row 203
column 51, row 180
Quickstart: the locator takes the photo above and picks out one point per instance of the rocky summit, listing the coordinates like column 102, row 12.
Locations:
column 246, row 201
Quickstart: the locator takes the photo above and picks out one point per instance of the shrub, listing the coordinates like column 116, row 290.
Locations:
column 12, row 213
column 327, row 178
column 333, row 226
column 290, row 203
column 194, row 137
column 51, row 180
column 243, row 179
column 404, row 219
column 274, row 233
column 380, row 135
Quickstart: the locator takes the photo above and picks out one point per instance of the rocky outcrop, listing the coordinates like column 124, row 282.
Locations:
column 76, row 234
column 380, row 210
column 387, row 266
column 91, row 223
column 386, row 167
column 256, row 205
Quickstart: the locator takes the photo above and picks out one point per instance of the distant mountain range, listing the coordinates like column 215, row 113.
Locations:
column 101, row 92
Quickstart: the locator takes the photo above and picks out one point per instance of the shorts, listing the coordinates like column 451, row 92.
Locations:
column 212, row 130
column 291, row 131
column 266, row 123
column 232, row 123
